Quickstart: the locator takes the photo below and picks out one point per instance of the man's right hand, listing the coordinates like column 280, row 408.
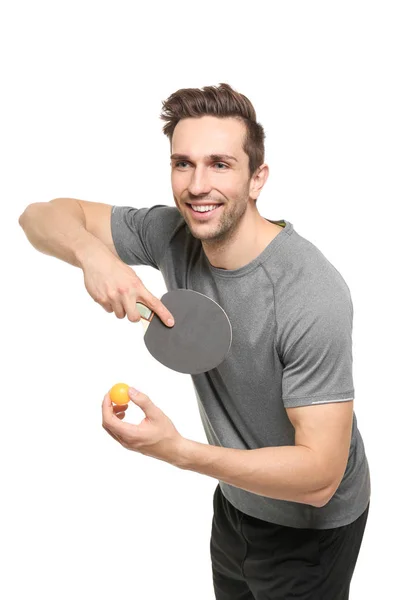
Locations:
column 116, row 287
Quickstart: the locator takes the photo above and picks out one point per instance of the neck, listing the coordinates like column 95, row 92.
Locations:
column 251, row 236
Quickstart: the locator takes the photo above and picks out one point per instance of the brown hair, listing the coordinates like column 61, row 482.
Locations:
column 219, row 101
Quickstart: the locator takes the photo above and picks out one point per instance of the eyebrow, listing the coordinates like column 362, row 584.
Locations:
column 214, row 157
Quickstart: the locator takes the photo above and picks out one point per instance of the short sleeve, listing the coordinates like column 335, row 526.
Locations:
column 317, row 357
column 141, row 235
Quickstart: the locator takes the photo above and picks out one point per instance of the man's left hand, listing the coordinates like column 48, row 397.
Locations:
column 155, row 436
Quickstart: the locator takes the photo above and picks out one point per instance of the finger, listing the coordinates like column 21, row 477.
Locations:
column 118, row 309
column 119, row 407
column 111, row 307
column 128, row 300
column 158, row 307
column 107, row 408
column 131, row 309
column 148, row 407
column 146, row 298
column 115, row 425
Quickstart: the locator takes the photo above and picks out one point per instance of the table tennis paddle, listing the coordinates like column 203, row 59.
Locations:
column 200, row 338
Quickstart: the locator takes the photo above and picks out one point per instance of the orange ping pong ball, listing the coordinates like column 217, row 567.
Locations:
column 119, row 393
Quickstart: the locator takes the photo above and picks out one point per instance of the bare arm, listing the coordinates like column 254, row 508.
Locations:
column 69, row 229
column 308, row 472
column 79, row 233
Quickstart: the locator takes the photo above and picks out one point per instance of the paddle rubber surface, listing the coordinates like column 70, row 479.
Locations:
column 200, row 339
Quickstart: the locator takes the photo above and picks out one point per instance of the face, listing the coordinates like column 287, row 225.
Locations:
column 210, row 170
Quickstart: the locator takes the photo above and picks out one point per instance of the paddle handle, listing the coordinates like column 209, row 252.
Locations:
column 145, row 312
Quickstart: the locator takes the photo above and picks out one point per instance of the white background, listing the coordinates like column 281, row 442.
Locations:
column 82, row 86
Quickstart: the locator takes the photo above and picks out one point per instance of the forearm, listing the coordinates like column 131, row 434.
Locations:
column 57, row 228
column 283, row 472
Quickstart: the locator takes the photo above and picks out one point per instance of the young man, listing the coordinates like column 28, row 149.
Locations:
column 292, row 501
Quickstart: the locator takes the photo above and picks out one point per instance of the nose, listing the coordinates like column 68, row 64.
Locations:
column 199, row 183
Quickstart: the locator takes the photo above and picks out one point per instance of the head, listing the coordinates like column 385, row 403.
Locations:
column 217, row 157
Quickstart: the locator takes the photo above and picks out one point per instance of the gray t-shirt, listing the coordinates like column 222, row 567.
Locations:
column 292, row 316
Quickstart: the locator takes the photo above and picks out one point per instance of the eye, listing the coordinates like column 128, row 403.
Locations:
column 221, row 165
column 179, row 163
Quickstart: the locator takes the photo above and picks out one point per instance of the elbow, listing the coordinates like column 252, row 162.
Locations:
column 22, row 218
column 318, row 500
column 323, row 501
column 27, row 212
column 324, row 496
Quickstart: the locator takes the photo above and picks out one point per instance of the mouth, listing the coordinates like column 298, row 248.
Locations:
column 204, row 211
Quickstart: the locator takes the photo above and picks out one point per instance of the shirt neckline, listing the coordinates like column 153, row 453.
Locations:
column 273, row 244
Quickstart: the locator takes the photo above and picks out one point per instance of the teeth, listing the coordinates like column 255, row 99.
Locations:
column 204, row 208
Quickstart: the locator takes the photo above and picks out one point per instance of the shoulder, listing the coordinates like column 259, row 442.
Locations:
column 312, row 300
column 303, row 274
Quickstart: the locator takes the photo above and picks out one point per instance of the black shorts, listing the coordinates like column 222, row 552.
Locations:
column 257, row 560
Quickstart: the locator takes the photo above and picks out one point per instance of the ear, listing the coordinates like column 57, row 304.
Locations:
column 258, row 180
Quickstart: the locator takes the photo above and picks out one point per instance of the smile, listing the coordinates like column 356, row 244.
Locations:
column 205, row 211
column 204, row 208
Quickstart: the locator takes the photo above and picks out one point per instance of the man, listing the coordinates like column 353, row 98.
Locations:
column 292, row 501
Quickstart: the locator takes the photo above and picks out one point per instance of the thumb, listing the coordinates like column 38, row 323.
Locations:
column 143, row 402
